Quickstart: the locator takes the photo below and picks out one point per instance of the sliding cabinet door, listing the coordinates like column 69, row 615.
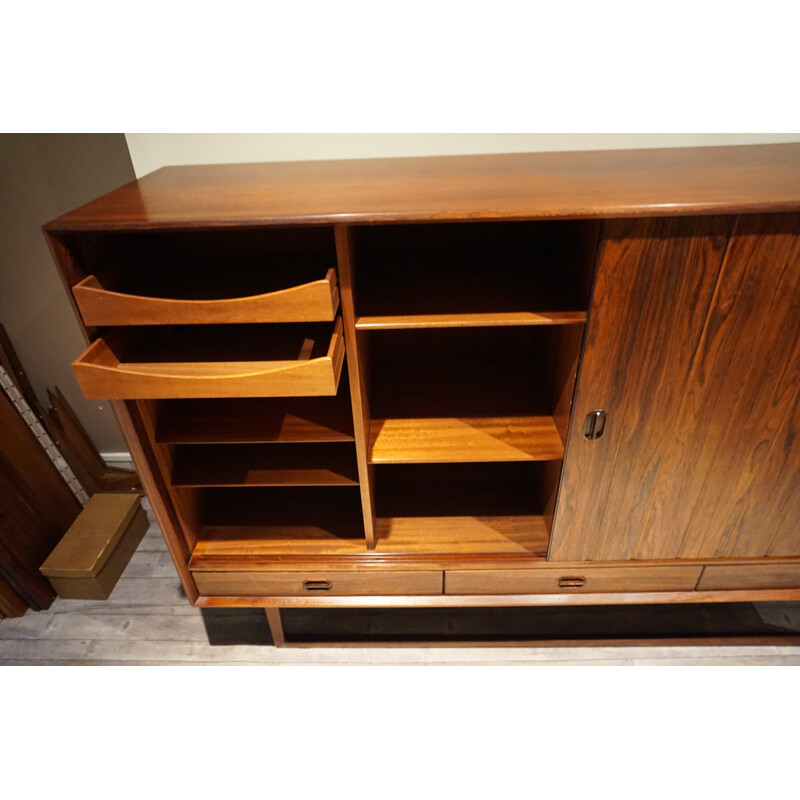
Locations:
column 693, row 356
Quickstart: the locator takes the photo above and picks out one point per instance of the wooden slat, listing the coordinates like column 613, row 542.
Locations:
column 750, row 576
column 484, row 600
column 482, row 320
column 309, row 302
column 276, row 541
column 133, row 429
column 525, row 535
column 600, row 184
column 36, row 508
column 357, row 375
column 654, row 283
column 328, row 464
column 101, row 375
column 442, row 439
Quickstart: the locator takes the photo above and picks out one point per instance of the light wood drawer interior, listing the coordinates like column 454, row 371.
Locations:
column 318, row 583
column 563, row 580
column 313, row 301
column 746, row 576
column 213, row 361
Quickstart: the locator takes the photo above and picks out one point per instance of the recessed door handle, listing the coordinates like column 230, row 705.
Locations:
column 317, row 586
column 595, row 424
column 571, row 583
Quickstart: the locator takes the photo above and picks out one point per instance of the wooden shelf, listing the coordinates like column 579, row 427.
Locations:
column 276, row 521
column 265, row 465
column 414, row 537
column 478, row 320
column 490, row 535
column 227, row 543
column 433, row 440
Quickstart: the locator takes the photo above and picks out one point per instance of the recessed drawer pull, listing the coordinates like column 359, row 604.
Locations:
column 570, row 583
column 317, row 586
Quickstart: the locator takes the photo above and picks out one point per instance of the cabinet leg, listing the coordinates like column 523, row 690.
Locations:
column 275, row 626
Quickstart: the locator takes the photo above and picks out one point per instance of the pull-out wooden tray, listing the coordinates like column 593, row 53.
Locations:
column 316, row 301
column 118, row 367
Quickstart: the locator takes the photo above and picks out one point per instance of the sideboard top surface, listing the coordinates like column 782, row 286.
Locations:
column 585, row 184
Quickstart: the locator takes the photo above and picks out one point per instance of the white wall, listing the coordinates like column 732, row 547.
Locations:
column 150, row 151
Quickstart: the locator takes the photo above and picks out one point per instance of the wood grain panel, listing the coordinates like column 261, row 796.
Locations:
column 356, row 362
column 36, row 508
column 523, row 535
column 757, row 576
column 446, row 439
column 319, row 583
column 483, row 320
column 572, row 580
column 102, row 375
column 601, row 184
column 743, row 384
column 11, row 604
column 309, row 302
column 654, row 283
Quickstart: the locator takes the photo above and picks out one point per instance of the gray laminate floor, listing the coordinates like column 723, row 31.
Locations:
column 148, row 621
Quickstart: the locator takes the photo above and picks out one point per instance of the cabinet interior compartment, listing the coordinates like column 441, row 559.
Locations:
column 470, row 394
column 256, row 419
column 208, row 264
column 485, row 508
column 282, row 464
column 487, row 273
column 275, row 521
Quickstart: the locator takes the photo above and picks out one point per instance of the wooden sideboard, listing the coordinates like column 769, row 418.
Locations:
column 563, row 378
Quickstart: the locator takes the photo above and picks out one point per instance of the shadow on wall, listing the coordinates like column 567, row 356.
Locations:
column 44, row 176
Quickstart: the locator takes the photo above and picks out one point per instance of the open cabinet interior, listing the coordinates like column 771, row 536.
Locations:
column 208, row 264
column 468, row 340
column 469, row 337
column 488, row 273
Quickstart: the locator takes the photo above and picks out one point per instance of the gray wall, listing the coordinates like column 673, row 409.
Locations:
column 41, row 177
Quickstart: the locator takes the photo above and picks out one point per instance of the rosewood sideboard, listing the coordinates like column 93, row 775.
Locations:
column 498, row 380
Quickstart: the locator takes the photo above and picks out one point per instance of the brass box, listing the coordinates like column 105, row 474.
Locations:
column 88, row 561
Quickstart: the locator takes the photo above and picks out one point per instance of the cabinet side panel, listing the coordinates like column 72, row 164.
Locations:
column 655, row 281
column 356, row 364
column 135, row 434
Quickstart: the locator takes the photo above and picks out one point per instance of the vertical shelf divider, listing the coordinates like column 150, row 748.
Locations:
column 355, row 369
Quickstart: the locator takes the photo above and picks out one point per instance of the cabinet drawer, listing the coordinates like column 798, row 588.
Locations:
column 746, row 576
column 562, row 580
column 131, row 365
column 323, row 583
column 315, row 301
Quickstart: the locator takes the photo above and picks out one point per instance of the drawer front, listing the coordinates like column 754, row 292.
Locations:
column 316, row 301
column 755, row 576
column 325, row 583
column 572, row 580
column 102, row 376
